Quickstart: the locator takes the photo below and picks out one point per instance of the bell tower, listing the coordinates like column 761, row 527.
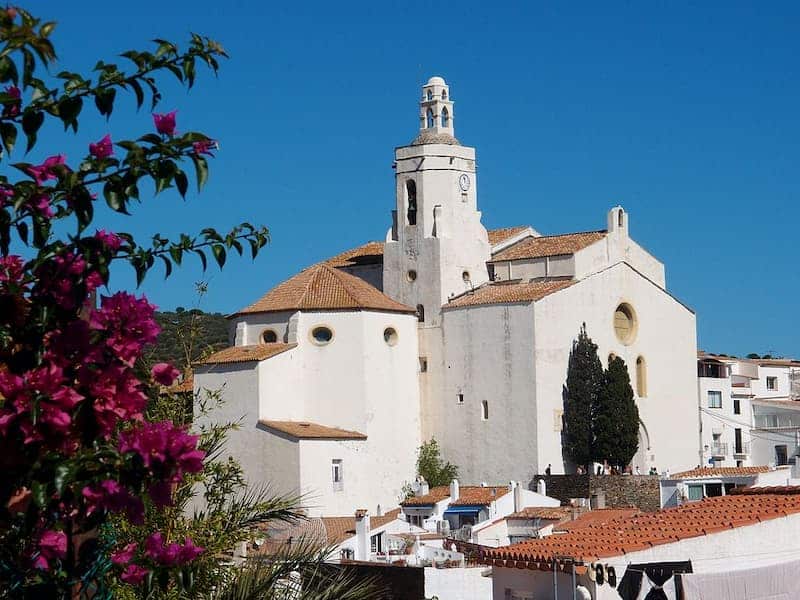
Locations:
column 437, row 247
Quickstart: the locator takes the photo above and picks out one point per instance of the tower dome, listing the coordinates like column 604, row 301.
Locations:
column 436, row 114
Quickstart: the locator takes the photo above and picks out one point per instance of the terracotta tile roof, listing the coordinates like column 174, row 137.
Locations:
column 508, row 292
column 497, row 236
column 474, row 495
column 240, row 354
column 549, row 245
column 548, row 513
column 339, row 529
column 367, row 254
column 597, row 517
column 304, row 430
column 436, row 494
column 278, row 533
column 643, row 531
column 323, row 287
column 719, row 472
column 764, row 362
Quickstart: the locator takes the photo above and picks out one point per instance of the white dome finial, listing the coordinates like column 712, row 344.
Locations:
column 436, row 114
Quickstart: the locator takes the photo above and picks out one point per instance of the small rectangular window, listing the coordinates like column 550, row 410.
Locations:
column 423, row 364
column 772, row 383
column 737, row 406
column 460, row 398
column 463, row 197
column 695, row 492
column 485, row 410
column 337, row 474
column 714, row 399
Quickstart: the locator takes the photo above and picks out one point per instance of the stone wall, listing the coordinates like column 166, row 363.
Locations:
column 621, row 491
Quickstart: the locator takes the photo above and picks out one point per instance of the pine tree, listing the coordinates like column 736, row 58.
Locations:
column 616, row 417
column 584, row 383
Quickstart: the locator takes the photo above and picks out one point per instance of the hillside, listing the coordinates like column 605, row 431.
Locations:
column 184, row 329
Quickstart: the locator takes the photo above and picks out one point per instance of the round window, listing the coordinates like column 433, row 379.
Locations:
column 412, row 275
column 390, row 336
column 269, row 336
column 321, row 335
column 625, row 323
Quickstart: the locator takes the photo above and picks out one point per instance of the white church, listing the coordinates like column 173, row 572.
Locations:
column 446, row 330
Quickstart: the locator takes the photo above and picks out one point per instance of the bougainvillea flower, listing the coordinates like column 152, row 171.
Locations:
column 134, row 574
column 205, row 147
column 164, row 373
column 109, row 239
column 125, row 555
column 165, row 123
column 102, row 149
column 46, row 170
column 11, row 109
column 51, row 545
column 189, row 551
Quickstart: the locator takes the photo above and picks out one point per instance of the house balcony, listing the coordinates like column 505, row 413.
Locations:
column 719, row 450
column 777, row 421
column 741, row 450
column 741, row 389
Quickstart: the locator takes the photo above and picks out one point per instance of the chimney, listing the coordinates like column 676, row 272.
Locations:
column 454, row 490
column 379, row 511
column 422, row 487
column 517, row 497
column 362, row 535
column 541, row 487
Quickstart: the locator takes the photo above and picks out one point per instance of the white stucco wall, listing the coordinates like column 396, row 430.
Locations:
column 458, row 584
column 665, row 337
column 488, row 356
column 249, row 329
column 357, row 382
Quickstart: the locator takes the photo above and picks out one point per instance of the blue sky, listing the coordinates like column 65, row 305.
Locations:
column 686, row 114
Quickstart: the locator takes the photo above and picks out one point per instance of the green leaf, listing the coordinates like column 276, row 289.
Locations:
column 201, row 170
column 219, row 254
column 202, row 256
column 39, row 491
column 177, row 254
column 31, row 122
column 137, row 89
column 22, row 230
column 64, row 472
column 104, row 101
column 167, row 266
column 8, row 132
column 114, row 198
column 69, row 107
column 181, row 182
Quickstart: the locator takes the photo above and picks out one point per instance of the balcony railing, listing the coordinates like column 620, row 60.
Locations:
column 776, row 421
column 719, row 449
column 741, row 449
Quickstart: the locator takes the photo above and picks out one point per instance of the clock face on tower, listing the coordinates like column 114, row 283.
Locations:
column 463, row 182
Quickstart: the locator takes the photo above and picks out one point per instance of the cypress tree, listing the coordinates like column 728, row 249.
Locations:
column 584, row 384
column 616, row 417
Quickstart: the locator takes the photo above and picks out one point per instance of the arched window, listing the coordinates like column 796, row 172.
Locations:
column 485, row 410
column 641, row 377
column 430, row 119
column 430, row 94
column 620, row 217
column 269, row 336
column 411, row 197
column 445, row 118
column 444, row 94
column 420, row 313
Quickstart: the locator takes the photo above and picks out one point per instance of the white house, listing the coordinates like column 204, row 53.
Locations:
column 749, row 414
column 451, row 331
column 708, row 482
column 475, row 513
column 754, row 532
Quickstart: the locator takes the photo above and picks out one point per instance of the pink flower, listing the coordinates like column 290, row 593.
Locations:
column 40, row 203
column 109, row 239
column 110, row 495
column 171, row 554
column 6, row 194
column 189, row 551
column 11, row 269
column 51, row 545
column 165, row 124
column 166, row 450
column 124, row 556
column 134, row 574
column 164, row 373
column 11, row 109
column 205, row 147
column 102, row 149
column 128, row 324
column 46, row 170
